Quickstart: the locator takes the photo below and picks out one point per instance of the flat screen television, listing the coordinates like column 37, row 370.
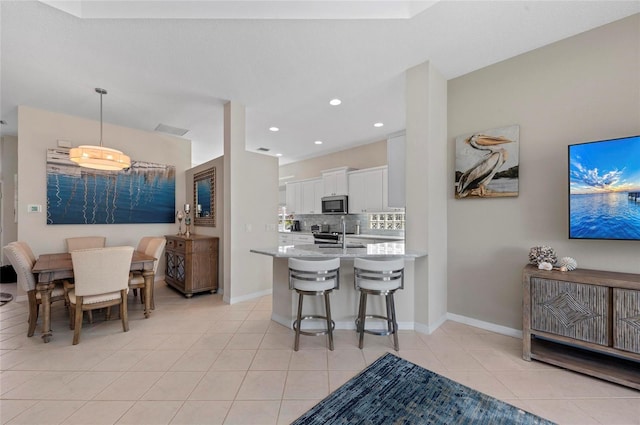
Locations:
column 604, row 189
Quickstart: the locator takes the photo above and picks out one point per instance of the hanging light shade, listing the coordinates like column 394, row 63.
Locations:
column 99, row 157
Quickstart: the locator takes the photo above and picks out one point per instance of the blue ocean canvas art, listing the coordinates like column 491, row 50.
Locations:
column 144, row 193
column 604, row 189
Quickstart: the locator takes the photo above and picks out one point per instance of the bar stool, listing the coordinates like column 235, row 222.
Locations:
column 314, row 277
column 378, row 277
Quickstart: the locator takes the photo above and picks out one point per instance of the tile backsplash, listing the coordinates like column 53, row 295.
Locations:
column 391, row 223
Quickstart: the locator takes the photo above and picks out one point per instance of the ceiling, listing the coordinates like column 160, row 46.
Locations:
column 177, row 62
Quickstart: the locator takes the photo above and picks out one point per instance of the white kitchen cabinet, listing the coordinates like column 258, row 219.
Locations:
column 303, row 197
column 334, row 181
column 294, row 197
column 387, row 193
column 302, row 239
column 311, row 195
column 366, row 190
column 284, row 239
column 294, row 239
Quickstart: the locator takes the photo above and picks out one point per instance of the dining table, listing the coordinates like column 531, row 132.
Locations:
column 50, row 268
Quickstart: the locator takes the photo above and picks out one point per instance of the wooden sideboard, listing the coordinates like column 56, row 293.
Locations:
column 192, row 263
column 583, row 320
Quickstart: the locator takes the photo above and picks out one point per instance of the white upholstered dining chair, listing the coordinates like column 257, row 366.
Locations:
column 85, row 242
column 101, row 280
column 153, row 246
column 22, row 261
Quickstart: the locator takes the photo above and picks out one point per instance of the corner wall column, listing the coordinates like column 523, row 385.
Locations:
column 426, row 191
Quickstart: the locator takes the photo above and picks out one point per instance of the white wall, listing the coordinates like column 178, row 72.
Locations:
column 580, row 89
column 39, row 130
column 361, row 157
column 250, row 209
column 8, row 169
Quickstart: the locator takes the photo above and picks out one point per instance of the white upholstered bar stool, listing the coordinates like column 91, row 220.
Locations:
column 314, row 277
column 378, row 277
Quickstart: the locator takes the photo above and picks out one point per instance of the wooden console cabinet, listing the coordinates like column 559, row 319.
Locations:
column 583, row 320
column 192, row 263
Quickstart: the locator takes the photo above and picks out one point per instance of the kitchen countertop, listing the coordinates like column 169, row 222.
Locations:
column 361, row 235
column 387, row 249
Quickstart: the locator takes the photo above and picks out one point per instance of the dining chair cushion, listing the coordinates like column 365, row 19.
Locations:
column 94, row 299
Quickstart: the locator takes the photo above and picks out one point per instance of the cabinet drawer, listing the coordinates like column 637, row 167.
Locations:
column 626, row 320
column 177, row 245
column 570, row 309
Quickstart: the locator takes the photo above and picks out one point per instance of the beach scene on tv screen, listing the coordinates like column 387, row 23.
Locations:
column 604, row 189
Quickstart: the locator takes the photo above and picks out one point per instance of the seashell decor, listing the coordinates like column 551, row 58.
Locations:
column 545, row 266
column 567, row 263
column 540, row 254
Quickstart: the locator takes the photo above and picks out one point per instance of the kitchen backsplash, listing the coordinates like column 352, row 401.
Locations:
column 389, row 224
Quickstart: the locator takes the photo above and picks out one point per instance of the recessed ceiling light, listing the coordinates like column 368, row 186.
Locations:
column 318, row 142
column 335, row 102
column 278, row 154
column 274, row 129
column 378, row 124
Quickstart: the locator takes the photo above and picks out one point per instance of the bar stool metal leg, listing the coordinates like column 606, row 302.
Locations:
column 330, row 324
column 361, row 318
column 391, row 303
column 297, row 323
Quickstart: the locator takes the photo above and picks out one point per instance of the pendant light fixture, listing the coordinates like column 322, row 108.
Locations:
column 99, row 157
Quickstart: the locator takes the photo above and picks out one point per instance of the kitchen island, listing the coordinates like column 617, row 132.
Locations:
column 344, row 301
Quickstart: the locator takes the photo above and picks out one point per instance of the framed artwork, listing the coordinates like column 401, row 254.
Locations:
column 143, row 193
column 487, row 163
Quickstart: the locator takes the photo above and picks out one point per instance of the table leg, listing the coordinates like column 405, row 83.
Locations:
column 45, row 295
column 148, row 291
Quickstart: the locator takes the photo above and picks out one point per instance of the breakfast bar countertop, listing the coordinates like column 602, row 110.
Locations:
column 387, row 249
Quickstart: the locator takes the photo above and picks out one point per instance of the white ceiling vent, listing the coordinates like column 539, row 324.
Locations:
column 171, row 130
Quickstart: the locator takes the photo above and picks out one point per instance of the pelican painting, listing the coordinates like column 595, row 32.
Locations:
column 487, row 163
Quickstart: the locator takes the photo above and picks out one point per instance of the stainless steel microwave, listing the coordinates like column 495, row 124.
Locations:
column 335, row 204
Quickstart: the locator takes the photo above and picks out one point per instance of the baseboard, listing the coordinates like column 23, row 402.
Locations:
column 248, row 297
column 485, row 325
column 429, row 329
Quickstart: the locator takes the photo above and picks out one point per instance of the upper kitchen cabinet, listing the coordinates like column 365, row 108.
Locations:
column 335, row 182
column 396, row 164
column 303, row 197
column 366, row 190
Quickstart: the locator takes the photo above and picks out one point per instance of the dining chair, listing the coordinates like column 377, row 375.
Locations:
column 85, row 242
column 82, row 242
column 22, row 263
column 154, row 245
column 101, row 280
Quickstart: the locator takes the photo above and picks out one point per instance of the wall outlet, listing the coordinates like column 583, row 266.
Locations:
column 31, row 208
column 247, row 227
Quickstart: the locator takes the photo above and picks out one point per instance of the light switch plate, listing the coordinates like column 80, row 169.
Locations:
column 31, row 208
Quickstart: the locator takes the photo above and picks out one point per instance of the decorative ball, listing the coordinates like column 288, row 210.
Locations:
column 568, row 263
column 539, row 254
column 545, row 266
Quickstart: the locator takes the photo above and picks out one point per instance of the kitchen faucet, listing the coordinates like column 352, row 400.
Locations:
column 344, row 232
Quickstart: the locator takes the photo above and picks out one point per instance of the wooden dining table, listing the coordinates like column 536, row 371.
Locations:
column 52, row 267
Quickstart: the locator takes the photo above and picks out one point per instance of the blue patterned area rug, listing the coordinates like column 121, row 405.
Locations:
column 394, row 391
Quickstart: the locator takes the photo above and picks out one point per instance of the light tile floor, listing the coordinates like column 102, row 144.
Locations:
column 200, row 361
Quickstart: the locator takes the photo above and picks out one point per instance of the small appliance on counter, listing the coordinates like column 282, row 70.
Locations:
column 296, row 226
column 315, row 228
